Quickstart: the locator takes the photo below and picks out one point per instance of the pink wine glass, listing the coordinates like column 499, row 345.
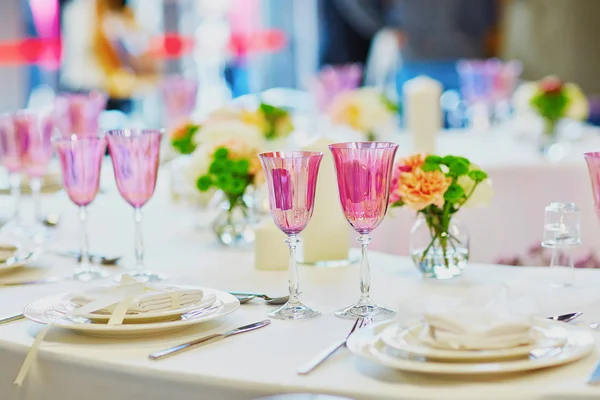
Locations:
column 78, row 113
column 364, row 173
column 135, row 155
column 10, row 158
column 292, row 178
column 34, row 130
column 179, row 98
column 80, row 162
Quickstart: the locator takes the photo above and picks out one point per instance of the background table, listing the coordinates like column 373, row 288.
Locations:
column 262, row 362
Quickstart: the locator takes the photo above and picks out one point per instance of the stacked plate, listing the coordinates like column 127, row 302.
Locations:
column 54, row 310
column 399, row 346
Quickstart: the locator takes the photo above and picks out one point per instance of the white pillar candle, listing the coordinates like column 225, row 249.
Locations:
column 326, row 238
column 422, row 112
column 270, row 251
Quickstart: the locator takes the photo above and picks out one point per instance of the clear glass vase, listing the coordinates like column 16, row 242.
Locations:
column 440, row 251
column 234, row 225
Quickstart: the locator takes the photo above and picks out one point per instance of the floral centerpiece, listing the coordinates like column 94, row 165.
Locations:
column 437, row 188
column 552, row 100
column 225, row 160
column 366, row 110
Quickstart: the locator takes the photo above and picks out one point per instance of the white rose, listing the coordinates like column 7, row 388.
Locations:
column 374, row 113
column 579, row 108
column 482, row 195
column 198, row 165
column 213, row 134
column 522, row 98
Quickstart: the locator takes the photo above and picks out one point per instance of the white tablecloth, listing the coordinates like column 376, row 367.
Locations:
column 261, row 362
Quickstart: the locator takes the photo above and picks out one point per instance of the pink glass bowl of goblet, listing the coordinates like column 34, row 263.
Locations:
column 34, row 131
column 80, row 160
column 135, row 156
column 364, row 172
column 291, row 178
column 78, row 113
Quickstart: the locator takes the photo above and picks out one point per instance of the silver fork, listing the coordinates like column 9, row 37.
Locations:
column 329, row 351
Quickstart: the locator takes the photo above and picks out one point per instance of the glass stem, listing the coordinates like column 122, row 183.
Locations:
column 36, row 185
column 15, row 193
column 365, row 269
column 84, row 260
column 563, row 258
column 139, row 240
column 292, row 242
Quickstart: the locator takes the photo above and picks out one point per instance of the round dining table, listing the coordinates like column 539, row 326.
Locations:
column 264, row 362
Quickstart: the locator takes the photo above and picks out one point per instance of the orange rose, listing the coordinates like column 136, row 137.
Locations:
column 413, row 162
column 419, row 189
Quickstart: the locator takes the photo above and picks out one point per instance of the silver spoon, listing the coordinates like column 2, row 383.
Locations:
column 95, row 258
column 244, row 297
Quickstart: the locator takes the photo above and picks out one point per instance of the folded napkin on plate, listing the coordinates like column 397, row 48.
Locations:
column 488, row 327
column 154, row 298
column 166, row 299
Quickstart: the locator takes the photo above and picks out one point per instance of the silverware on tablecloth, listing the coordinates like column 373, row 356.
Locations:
column 53, row 279
column 566, row 317
column 207, row 339
column 594, row 379
column 11, row 318
column 18, row 259
column 94, row 258
column 328, row 352
column 245, row 297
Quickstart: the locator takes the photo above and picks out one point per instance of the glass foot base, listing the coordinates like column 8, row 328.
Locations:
column 145, row 276
column 365, row 309
column 86, row 275
column 294, row 310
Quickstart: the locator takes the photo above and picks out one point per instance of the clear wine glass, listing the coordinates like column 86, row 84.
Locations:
column 35, row 129
column 135, row 157
column 291, row 178
column 80, row 162
column 364, row 173
column 10, row 158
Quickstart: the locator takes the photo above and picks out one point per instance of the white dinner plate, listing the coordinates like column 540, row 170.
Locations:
column 366, row 343
column 43, row 312
column 65, row 305
column 402, row 338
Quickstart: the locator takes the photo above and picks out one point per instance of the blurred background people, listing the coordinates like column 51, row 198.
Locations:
column 104, row 49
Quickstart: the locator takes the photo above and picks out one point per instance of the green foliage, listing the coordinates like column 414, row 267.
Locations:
column 184, row 144
column 390, row 105
column 478, row 175
column 230, row 176
column 551, row 106
column 273, row 115
column 454, row 193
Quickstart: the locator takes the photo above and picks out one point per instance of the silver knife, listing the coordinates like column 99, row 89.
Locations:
column 595, row 377
column 211, row 338
column 11, row 318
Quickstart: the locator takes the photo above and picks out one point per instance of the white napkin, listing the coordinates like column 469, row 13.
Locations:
column 154, row 298
column 487, row 326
